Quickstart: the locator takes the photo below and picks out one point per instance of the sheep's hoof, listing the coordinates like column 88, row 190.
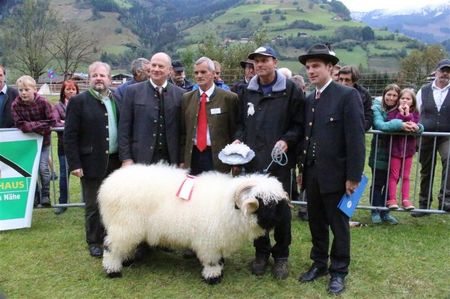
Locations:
column 128, row 262
column 114, row 274
column 213, row 280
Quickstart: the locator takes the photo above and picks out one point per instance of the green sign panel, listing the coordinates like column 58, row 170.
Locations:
column 13, row 197
column 19, row 159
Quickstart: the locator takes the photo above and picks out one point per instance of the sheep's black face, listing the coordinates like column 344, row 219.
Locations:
column 269, row 215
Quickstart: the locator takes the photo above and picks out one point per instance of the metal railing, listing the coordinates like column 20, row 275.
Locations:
column 54, row 201
column 366, row 201
column 442, row 176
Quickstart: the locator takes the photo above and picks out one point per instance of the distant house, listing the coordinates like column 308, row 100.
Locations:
column 59, row 79
column 120, row 78
column 302, row 34
column 45, row 79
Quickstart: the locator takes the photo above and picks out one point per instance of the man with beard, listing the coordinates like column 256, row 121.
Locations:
column 90, row 142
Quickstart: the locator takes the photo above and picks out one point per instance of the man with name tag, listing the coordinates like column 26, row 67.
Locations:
column 332, row 159
column 208, row 121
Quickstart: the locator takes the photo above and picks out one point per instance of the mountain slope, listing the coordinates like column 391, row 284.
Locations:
column 429, row 24
column 126, row 29
column 292, row 26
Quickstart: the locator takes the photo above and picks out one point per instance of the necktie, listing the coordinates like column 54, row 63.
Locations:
column 317, row 94
column 202, row 124
column 160, row 90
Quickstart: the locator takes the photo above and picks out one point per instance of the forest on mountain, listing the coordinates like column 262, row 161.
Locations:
column 117, row 31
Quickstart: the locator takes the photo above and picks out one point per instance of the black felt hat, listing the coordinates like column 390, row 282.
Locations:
column 320, row 51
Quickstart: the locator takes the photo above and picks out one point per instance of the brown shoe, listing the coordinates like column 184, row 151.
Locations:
column 259, row 265
column 280, row 269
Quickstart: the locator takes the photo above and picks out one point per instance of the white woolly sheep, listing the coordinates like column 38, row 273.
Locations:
column 138, row 204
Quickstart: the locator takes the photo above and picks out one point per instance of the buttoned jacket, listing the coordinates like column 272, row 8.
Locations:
column 6, row 119
column 86, row 135
column 222, row 113
column 139, row 120
column 336, row 123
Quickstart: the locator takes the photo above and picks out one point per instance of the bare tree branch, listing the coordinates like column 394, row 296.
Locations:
column 29, row 30
column 70, row 47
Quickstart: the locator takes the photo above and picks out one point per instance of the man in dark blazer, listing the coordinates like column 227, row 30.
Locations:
column 149, row 127
column 90, row 144
column 7, row 96
column 221, row 111
column 332, row 160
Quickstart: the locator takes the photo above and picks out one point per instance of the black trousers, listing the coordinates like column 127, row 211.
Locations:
column 95, row 231
column 201, row 161
column 379, row 189
column 282, row 231
column 427, row 172
column 325, row 215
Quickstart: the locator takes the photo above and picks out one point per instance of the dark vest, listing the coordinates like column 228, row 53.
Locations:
column 432, row 119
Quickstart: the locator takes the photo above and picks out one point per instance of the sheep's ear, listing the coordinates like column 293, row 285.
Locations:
column 288, row 200
column 249, row 206
column 242, row 189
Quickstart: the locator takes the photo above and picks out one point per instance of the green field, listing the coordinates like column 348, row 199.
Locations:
column 51, row 260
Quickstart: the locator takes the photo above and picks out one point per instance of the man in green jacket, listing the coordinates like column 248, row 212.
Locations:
column 208, row 121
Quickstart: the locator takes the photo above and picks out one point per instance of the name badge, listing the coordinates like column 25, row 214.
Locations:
column 215, row 111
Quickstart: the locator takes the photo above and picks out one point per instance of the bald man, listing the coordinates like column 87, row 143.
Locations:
column 150, row 117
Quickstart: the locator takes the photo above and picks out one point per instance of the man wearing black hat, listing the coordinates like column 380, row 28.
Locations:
column 271, row 118
column 178, row 76
column 333, row 161
column 433, row 100
column 249, row 72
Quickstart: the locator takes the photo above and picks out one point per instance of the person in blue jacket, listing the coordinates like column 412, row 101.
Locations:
column 379, row 153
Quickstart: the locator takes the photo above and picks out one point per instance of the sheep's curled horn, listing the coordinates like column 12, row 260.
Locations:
column 249, row 205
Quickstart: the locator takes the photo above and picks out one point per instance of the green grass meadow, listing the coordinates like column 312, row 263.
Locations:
column 51, row 260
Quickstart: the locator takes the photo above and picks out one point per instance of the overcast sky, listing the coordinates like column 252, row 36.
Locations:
column 363, row 5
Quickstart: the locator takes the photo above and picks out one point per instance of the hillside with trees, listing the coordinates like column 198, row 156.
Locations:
column 67, row 34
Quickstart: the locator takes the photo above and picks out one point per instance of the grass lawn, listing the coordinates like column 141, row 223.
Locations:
column 51, row 260
column 356, row 57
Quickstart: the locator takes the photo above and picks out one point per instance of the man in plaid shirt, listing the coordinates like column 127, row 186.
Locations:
column 33, row 113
